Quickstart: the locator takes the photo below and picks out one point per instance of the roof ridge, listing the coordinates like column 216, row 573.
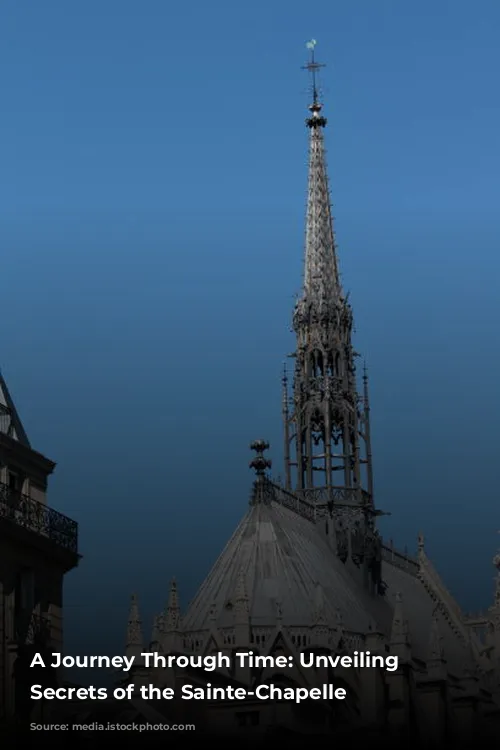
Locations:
column 449, row 606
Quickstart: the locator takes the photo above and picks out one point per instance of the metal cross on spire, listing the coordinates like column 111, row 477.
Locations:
column 313, row 68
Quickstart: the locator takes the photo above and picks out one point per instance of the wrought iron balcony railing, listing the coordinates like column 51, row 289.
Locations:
column 34, row 516
column 265, row 491
column 311, row 503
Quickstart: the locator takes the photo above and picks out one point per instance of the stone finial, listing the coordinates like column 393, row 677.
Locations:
column 260, row 463
column 135, row 639
column 421, row 542
column 173, row 595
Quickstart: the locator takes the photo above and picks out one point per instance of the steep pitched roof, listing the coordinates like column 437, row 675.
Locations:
column 283, row 558
column 10, row 422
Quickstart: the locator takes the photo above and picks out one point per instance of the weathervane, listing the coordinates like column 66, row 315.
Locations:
column 316, row 120
column 313, row 68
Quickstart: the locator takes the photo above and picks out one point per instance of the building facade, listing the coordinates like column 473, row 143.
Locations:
column 307, row 570
column 38, row 546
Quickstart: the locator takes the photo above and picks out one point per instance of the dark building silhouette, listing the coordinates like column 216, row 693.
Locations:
column 38, row 546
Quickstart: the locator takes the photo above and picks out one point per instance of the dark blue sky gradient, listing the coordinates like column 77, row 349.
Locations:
column 153, row 175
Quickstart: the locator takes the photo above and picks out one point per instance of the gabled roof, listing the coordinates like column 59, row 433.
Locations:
column 10, row 422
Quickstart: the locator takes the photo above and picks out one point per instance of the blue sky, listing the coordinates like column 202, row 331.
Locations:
column 153, row 173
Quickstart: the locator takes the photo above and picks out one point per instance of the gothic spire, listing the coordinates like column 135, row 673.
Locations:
column 321, row 275
column 328, row 427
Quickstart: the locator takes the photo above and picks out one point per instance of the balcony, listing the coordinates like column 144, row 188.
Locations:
column 39, row 524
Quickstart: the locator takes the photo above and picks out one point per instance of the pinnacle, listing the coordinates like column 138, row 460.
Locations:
column 134, row 627
column 172, row 614
column 421, row 543
column 134, row 607
column 173, row 596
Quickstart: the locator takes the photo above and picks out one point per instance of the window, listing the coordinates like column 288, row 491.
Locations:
column 13, row 481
